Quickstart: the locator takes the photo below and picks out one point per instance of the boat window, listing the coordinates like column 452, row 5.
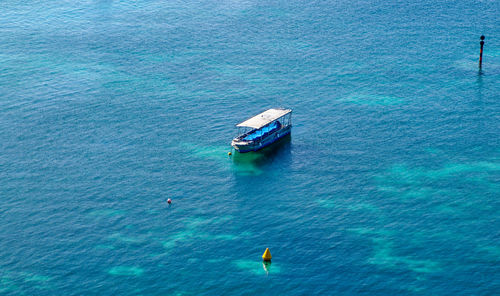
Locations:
column 256, row 135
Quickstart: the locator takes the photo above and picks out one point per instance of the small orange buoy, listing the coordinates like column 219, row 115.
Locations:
column 229, row 153
column 169, row 201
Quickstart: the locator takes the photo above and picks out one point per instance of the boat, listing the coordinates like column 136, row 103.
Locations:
column 263, row 130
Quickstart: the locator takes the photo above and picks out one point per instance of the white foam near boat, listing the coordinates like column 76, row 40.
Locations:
column 263, row 129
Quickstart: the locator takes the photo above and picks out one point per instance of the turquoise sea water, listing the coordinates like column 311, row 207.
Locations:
column 389, row 185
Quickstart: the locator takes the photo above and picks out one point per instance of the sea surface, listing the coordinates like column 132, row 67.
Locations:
column 389, row 184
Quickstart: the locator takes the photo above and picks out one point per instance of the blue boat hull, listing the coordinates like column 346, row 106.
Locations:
column 249, row 146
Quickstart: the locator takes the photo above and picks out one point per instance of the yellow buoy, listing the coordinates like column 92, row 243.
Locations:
column 229, row 153
column 267, row 255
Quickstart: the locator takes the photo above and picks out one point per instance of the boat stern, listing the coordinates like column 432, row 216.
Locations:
column 242, row 146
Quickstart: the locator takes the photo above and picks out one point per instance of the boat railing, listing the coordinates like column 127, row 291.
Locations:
column 259, row 138
column 274, row 127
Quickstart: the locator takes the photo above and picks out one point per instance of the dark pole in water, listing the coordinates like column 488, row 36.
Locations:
column 481, row 52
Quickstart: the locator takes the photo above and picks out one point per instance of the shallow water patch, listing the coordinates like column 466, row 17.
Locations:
column 107, row 213
column 437, row 208
column 20, row 281
column 194, row 231
column 126, row 271
column 256, row 267
column 384, row 254
column 125, row 239
column 7, row 284
column 37, row 278
column 418, row 182
column 491, row 252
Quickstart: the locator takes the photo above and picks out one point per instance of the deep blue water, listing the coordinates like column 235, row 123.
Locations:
column 389, row 185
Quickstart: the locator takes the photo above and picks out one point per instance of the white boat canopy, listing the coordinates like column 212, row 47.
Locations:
column 264, row 118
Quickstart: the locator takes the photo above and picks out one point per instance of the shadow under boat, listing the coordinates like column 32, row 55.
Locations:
column 276, row 151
